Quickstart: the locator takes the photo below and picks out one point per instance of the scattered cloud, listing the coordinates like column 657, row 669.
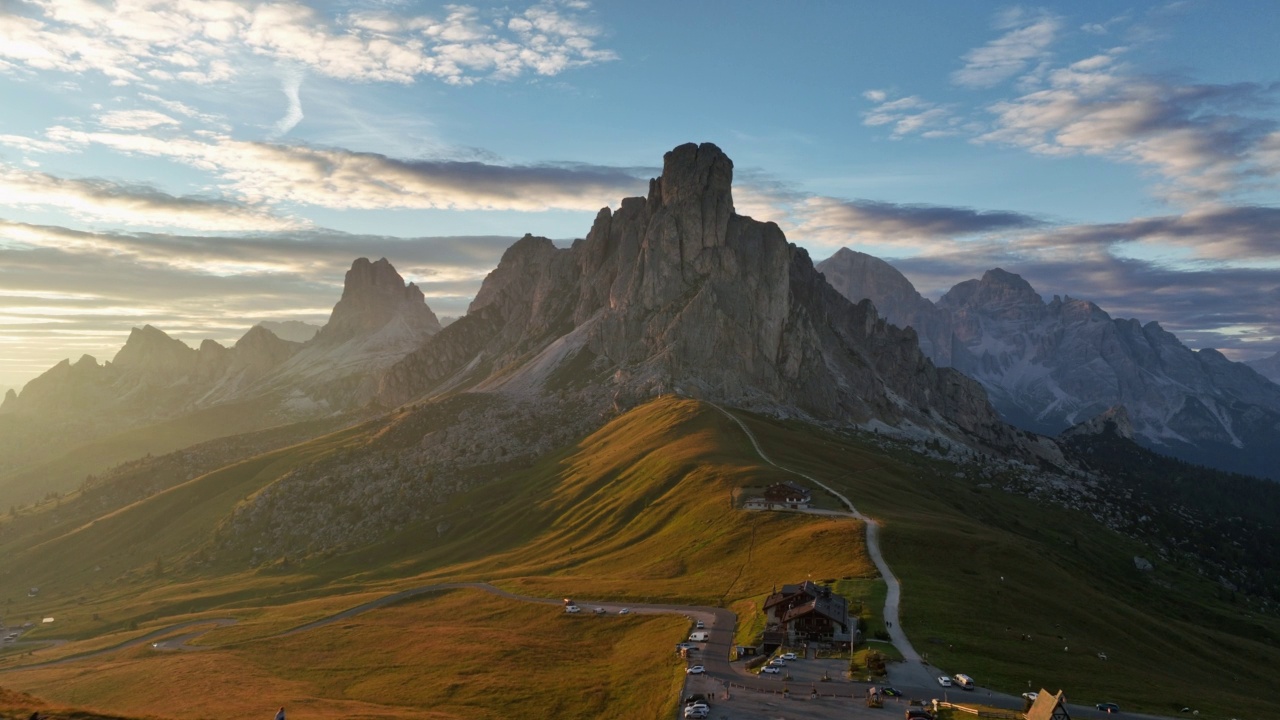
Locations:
column 1027, row 37
column 908, row 115
column 200, row 41
column 135, row 120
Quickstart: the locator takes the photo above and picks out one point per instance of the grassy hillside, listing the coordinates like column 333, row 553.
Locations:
column 640, row 509
column 981, row 568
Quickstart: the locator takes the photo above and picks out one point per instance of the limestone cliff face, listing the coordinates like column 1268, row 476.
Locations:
column 674, row 291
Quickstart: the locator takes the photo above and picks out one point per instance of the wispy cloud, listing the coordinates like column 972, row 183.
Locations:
column 268, row 173
column 95, row 199
column 291, row 86
column 908, row 115
column 1027, row 37
column 198, row 41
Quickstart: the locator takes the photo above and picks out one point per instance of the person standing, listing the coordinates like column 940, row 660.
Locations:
column 280, row 715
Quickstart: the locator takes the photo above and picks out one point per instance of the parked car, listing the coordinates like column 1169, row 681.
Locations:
column 624, row 611
column 600, row 611
column 695, row 670
column 1108, row 707
column 697, row 712
column 918, row 714
column 695, row 699
column 944, row 681
column 964, row 681
column 1030, row 696
column 771, row 669
column 890, row 692
column 700, row 625
column 787, row 656
column 572, row 609
column 777, row 661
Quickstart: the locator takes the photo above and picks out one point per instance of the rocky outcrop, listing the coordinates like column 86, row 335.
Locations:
column 1114, row 420
column 676, row 292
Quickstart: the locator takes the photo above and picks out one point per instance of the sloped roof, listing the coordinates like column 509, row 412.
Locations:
column 1049, row 707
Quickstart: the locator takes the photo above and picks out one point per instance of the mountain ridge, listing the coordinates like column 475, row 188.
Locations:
column 1050, row 365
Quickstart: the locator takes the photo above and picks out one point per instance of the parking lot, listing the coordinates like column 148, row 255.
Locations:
column 836, row 697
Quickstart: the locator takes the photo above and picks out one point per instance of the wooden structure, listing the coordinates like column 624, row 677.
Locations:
column 1049, row 707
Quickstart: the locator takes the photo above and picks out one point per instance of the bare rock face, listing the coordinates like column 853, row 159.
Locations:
column 675, row 291
column 859, row 276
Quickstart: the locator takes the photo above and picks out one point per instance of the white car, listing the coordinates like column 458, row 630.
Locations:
column 600, row 611
column 771, row 669
column 695, row 670
column 944, row 681
column 572, row 609
column 701, row 625
column 787, row 656
column 697, row 712
column 1030, row 696
column 624, row 611
column 777, row 661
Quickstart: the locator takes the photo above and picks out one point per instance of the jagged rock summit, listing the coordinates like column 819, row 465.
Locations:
column 373, row 295
column 676, row 292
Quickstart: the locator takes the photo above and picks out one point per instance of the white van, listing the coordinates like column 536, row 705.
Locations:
column 700, row 636
column 964, row 681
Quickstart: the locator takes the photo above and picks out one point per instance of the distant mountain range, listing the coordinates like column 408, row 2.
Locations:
column 1051, row 365
column 154, row 378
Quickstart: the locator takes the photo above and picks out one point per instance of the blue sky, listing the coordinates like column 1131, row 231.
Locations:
column 201, row 166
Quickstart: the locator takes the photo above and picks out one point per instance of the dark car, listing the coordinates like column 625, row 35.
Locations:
column 1108, row 707
column 890, row 692
column 918, row 714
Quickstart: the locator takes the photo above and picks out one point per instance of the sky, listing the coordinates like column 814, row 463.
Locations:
column 203, row 166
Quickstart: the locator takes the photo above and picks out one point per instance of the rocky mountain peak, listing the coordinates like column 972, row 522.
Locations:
column 859, row 276
column 674, row 291
column 150, row 349
column 997, row 287
column 373, row 295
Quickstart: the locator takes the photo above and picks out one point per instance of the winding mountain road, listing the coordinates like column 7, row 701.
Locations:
column 894, row 595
